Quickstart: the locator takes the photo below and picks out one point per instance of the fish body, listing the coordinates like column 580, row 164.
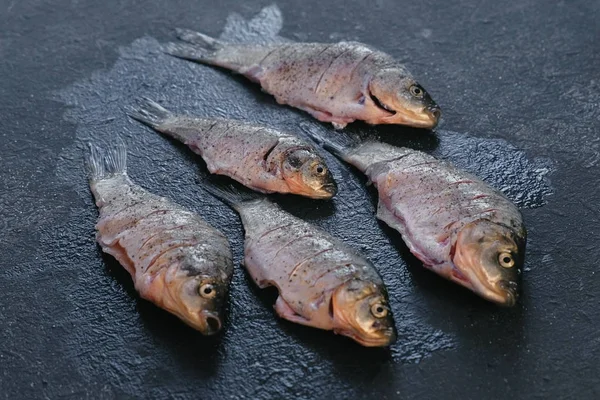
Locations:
column 322, row 282
column 334, row 82
column 261, row 158
column 456, row 224
column 176, row 259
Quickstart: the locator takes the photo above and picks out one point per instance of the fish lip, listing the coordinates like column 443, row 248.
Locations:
column 435, row 113
column 503, row 293
column 509, row 289
column 387, row 339
column 326, row 191
column 211, row 323
column 380, row 105
column 330, row 189
column 427, row 117
column 342, row 326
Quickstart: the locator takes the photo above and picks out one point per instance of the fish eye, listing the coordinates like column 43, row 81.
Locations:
column 506, row 260
column 379, row 310
column 320, row 169
column 207, row 291
column 416, row 91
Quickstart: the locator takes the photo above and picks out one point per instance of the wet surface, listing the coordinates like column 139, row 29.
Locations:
column 71, row 322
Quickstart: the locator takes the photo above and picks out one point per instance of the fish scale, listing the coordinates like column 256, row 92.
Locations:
column 322, row 282
column 170, row 252
column 456, row 224
column 261, row 158
column 334, row 82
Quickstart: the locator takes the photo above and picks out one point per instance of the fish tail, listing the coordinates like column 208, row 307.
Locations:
column 198, row 39
column 188, row 52
column 115, row 160
column 149, row 113
column 198, row 47
column 101, row 164
column 94, row 163
column 230, row 193
column 338, row 143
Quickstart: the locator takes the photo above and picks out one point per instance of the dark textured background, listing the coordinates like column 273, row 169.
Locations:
column 520, row 88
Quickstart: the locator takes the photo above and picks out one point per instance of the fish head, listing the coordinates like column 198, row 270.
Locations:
column 488, row 258
column 198, row 300
column 360, row 311
column 394, row 97
column 306, row 174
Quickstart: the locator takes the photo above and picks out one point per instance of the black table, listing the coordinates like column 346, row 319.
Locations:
column 519, row 84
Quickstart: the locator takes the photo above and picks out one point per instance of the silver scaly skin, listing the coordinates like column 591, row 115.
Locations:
column 456, row 224
column 258, row 157
column 176, row 259
column 334, row 82
column 322, row 282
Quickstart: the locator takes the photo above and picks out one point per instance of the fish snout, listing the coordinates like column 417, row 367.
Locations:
column 211, row 323
column 323, row 192
column 426, row 117
column 381, row 338
column 509, row 292
column 330, row 189
column 435, row 113
column 390, row 336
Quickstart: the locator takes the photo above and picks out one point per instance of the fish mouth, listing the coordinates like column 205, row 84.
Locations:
column 210, row 323
column 381, row 105
column 501, row 297
column 427, row 117
column 206, row 322
column 508, row 292
column 327, row 191
column 344, row 325
column 503, row 293
column 383, row 339
column 434, row 113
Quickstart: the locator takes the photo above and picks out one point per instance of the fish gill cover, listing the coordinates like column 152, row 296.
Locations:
column 96, row 106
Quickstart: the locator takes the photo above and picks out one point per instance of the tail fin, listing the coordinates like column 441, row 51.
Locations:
column 338, row 143
column 231, row 193
column 102, row 164
column 188, row 52
column 94, row 163
column 198, row 47
column 198, row 39
column 149, row 113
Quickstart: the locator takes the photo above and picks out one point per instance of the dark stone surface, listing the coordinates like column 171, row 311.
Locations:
column 520, row 88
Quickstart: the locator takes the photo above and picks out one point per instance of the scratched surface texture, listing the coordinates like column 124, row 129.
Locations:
column 520, row 88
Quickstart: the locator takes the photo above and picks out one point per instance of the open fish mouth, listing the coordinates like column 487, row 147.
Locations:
column 379, row 104
column 427, row 117
column 212, row 323
column 206, row 322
